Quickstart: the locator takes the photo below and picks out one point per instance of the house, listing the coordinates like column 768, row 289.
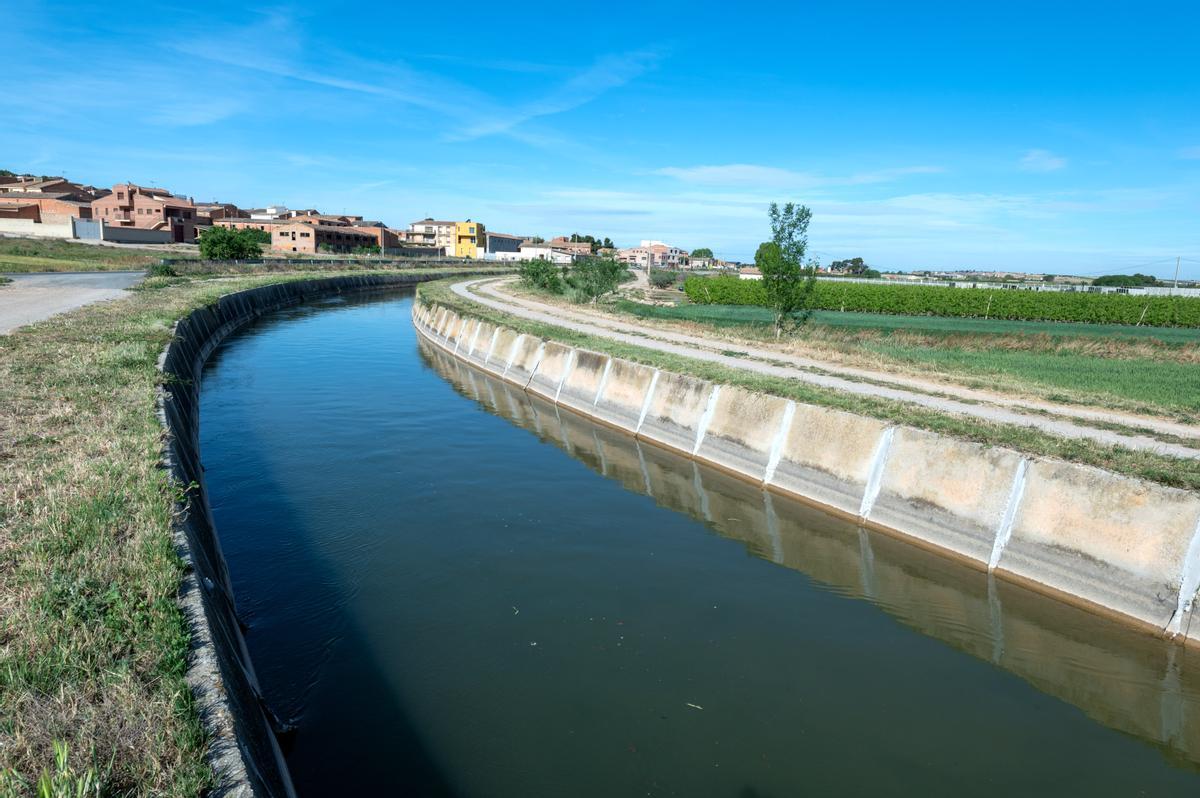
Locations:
column 209, row 212
column 577, row 248
column 434, row 233
column 386, row 238
column 310, row 238
column 749, row 273
column 468, row 236
column 545, row 252
column 145, row 208
column 656, row 255
column 57, row 199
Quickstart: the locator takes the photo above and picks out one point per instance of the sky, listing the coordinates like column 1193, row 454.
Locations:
column 1058, row 137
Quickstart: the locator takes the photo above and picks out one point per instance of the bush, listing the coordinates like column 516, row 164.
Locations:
column 223, row 243
column 541, row 273
column 926, row 300
column 663, row 278
column 161, row 270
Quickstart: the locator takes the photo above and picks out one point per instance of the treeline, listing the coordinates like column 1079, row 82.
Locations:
column 923, row 300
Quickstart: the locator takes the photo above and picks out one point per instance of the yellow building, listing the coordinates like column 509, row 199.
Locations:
column 468, row 237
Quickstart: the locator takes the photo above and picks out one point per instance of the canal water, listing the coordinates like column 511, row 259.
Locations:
column 453, row 589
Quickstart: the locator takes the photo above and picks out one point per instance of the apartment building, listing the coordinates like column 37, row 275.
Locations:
column 310, row 237
column 433, row 233
column 130, row 205
column 654, row 254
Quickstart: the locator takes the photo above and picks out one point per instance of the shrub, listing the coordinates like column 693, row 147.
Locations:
column 161, row 270
column 663, row 278
column 542, row 274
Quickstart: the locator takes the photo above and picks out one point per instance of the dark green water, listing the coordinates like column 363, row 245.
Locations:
column 453, row 589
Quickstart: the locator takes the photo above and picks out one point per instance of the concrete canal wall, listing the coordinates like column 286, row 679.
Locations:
column 244, row 750
column 1113, row 544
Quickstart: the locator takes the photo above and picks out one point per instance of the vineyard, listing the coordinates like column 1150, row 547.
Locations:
column 920, row 300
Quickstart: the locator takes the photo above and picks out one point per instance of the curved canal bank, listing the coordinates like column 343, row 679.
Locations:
column 1116, row 545
column 244, row 749
column 454, row 587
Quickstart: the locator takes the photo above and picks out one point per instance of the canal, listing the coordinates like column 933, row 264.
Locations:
column 453, row 589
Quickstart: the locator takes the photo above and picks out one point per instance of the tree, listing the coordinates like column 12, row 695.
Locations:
column 256, row 235
column 591, row 278
column 608, row 244
column 849, row 266
column 1126, row 280
column 223, row 243
column 537, row 240
column 541, row 273
column 788, row 284
column 702, row 252
column 1047, row 278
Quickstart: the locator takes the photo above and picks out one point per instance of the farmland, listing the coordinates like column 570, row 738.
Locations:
column 1152, row 370
column 964, row 303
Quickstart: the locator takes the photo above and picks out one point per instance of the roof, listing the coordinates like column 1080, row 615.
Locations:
column 326, row 228
column 504, row 235
column 9, row 205
column 430, row 221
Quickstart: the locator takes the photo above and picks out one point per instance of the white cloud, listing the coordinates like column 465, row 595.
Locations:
column 1041, row 161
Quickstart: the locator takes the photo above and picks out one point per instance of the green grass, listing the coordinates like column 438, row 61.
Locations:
column 92, row 643
column 747, row 315
column 1139, row 369
column 1145, row 465
column 1156, row 384
column 52, row 255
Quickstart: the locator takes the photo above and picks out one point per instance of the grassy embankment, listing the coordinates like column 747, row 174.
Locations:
column 92, row 644
column 1150, row 370
column 1166, row 470
column 52, row 255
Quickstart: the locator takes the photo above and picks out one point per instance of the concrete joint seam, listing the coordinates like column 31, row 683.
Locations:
column 875, row 480
column 1004, row 530
column 706, row 419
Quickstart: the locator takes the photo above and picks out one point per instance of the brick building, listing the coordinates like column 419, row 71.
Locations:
column 310, row 238
column 131, row 205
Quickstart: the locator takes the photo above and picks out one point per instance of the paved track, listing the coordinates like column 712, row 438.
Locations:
column 34, row 297
column 1063, row 421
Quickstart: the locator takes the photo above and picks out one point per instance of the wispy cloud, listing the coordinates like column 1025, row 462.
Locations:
column 1041, row 161
column 607, row 73
column 755, row 176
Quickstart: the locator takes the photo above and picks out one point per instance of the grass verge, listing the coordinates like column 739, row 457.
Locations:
column 92, row 643
column 1145, row 465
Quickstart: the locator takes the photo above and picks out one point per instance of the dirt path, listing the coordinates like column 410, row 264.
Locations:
column 34, row 297
column 1061, row 420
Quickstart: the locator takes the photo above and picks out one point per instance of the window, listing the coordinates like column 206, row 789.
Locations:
column 120, row 195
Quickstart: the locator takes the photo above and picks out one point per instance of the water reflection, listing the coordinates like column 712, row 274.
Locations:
column 1119, row 677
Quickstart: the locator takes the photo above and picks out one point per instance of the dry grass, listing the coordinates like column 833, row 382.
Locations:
column 92, row 643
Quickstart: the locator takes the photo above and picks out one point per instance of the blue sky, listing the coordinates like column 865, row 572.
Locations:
column 1058, row 136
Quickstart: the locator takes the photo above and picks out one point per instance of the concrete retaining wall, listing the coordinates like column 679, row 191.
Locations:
column 243, row 749
column 1123, row 546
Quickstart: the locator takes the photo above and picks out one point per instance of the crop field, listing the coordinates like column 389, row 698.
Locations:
column 1155, row 370
column 922, row 300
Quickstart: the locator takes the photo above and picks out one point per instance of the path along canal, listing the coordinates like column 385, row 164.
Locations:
column 454, row 589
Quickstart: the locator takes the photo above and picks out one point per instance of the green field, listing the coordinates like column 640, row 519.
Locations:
column 1142, row 369
column 749, row 315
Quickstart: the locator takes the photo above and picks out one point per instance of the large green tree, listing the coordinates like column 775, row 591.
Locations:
column 788, row 283
column 702, row 252
column 222, row 243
